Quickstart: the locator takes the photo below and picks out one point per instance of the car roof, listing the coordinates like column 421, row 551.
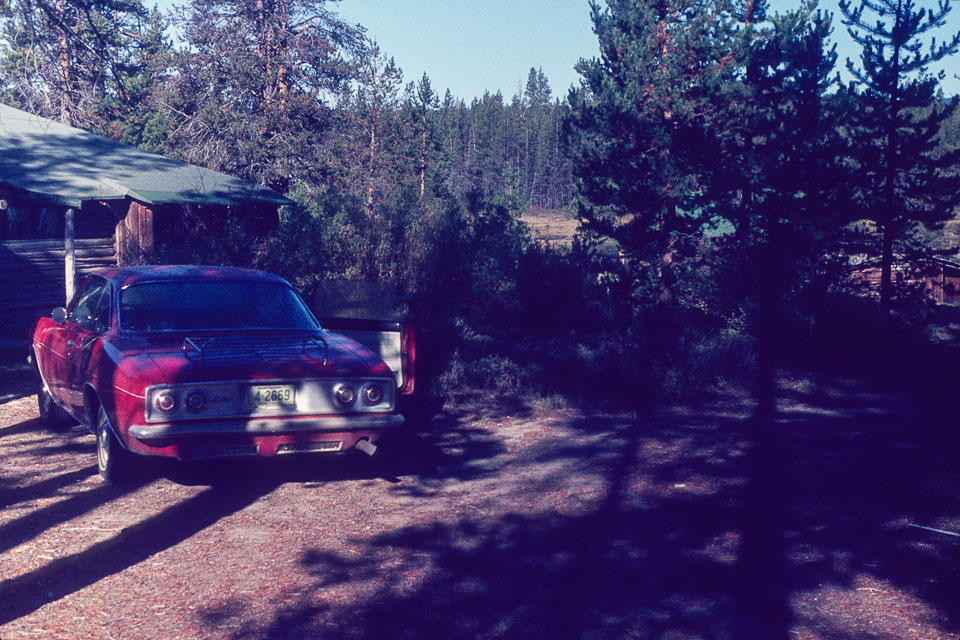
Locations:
column 124, row 276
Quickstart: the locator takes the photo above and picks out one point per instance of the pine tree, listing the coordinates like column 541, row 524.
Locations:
column 902, row 181
column 537, row 137
column 778, row 174
column 640, row 128
column 370, row 135
column 776, row 142
column 134, row 114
column 818, row 207
column 252, row 84
column 454, row 134
column 488, row 154
column 421, row 106
column 65, row 57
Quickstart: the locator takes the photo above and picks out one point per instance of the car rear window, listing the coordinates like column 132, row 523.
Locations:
column 197, row 306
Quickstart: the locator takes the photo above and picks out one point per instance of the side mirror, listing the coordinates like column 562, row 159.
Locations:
column 59, row 315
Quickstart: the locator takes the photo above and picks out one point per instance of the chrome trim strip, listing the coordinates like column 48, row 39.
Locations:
column 266, row 427
column 116, row 356
column 110, row 426
column 129, row 393
column 267, row 381
column 388, row 405
column 36, row 361
column 303, row 448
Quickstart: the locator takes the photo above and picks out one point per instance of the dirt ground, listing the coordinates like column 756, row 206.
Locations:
column 505, row 520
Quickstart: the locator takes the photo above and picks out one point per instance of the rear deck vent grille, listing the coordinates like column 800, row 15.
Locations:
column 229, row 351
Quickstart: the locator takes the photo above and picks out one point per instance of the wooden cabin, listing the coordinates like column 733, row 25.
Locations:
column 72, row 202
column 941, row 279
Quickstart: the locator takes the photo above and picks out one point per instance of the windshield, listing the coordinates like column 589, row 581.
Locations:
column 206, row 305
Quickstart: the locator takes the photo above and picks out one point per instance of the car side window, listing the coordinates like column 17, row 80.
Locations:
column 92, row 311
column 101, row 312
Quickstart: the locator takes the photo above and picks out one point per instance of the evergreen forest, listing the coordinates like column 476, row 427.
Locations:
column 730, row 183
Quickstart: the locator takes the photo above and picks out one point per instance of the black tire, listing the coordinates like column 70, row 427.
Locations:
column 52, row 416
column 114, row 463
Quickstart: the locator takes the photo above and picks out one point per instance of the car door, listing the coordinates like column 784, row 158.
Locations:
column 51, row 353
column 86, row 320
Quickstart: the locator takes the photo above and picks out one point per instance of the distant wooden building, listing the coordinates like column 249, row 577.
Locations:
column 72, row 202
column 941, row 279
column 938, row 278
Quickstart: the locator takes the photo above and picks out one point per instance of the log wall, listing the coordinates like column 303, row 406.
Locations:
column 32, row 276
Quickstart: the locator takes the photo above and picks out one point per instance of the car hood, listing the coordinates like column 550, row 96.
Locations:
column 185, row 358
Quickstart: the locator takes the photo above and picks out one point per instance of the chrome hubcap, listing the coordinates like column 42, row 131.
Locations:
column 103, row 451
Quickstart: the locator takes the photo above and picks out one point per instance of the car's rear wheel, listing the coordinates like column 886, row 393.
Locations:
column 114, row 463
column 52, row 416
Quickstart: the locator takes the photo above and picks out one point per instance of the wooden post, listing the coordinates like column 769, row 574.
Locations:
column 145, row 233
column 69, row 255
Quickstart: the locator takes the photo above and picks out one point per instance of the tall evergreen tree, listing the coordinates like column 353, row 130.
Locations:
column 371, row 136
column 455, row 128
column 252, row 85
column 818, row 203
column 777, row 175
column 776, row 144
column 488, row 153
column 640, row 128
column 134, row 114
column 66, row 57
column 902, row 181
column 537, row 136
column 421, row 106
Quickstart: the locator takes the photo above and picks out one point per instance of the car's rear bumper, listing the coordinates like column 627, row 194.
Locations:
column 265, row 426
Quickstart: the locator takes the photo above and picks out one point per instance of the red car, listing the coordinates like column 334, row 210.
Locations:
column 206, row 362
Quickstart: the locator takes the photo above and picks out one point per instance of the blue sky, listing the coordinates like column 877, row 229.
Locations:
column 472, row 47
column 488, row 45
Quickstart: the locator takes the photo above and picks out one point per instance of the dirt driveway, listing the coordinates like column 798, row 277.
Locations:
column 506, row 522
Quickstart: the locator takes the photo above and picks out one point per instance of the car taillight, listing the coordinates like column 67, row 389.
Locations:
column 372, row 394
column 166, row 402
column 408, row 357
column 195, row 400
column 346, row 395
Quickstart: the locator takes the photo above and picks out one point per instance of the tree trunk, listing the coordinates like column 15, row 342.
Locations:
column 372, row 148
column 667, row 275
column 64, row 61
column 371, row 164
column 667, row 278
column 886, row 269
column 889, row 187
column 423, row 154
column 283, row 82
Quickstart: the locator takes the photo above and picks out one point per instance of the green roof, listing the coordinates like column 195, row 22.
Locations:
column 50, row 161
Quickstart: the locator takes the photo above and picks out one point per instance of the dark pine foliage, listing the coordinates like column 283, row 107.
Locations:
column 902, row 178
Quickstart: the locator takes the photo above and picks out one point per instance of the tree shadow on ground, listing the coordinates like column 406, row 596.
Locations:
column 13, row 390
column 229, row 487
column 703, row 527
column 28, row 592
column 25, row 593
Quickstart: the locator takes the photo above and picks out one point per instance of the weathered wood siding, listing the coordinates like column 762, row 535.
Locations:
column 135, row 235
column 941, row 280
column 32, row 281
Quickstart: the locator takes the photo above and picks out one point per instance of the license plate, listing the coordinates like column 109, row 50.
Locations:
column 270, row 396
